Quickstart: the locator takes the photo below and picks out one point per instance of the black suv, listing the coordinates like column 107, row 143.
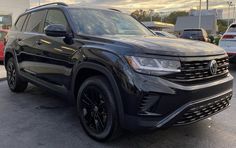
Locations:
column 118, row 73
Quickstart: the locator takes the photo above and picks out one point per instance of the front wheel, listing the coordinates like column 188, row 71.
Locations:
column 97, row 109
column 15, row 83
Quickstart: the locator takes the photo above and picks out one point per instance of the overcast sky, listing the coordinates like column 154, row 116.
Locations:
column 158, row 5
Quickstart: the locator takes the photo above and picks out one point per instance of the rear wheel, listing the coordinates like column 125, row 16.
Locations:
column 97, row 110
column 15, row 83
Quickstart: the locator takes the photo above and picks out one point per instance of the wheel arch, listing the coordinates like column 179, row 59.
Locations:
column 92, row 69
column 7, row 56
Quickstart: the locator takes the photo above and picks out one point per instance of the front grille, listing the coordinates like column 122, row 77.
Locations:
column 195, row 114
column 200, row 70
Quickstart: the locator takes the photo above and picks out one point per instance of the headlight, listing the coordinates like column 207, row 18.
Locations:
column 153, row 66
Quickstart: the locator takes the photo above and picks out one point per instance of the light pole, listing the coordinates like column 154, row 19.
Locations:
column 234, row 12
column 230, row 4
column 200, row 15
column 151, row 11
column 207, row 4
column 39, row 2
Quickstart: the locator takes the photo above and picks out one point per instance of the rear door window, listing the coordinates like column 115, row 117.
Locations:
column 20, row 23
column 35, row 22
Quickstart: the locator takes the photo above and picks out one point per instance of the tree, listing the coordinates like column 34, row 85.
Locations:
column 172, row 17
column 142, row 15
column 222, row 25
column 139, row 14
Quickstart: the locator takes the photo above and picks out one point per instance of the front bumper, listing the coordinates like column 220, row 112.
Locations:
column 156, row 102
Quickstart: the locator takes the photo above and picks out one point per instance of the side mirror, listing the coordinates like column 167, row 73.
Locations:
column 55, row 30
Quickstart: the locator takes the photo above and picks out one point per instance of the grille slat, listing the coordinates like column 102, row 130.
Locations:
column 194, row 114
column 200, row 70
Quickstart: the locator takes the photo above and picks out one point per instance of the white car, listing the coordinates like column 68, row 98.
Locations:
column 228, row 42
column 164, row 34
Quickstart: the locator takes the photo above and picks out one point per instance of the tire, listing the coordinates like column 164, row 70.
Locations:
column 97, row 110
column 15, row 83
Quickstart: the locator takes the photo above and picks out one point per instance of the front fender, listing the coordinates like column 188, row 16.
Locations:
column 105, row 63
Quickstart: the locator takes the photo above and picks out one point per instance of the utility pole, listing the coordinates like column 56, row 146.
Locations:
column 207, row 4
column 234, row 12
column 39, row 2
column 229, row 4
column 200, row 14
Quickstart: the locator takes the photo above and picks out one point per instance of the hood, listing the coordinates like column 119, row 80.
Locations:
column 168, row 46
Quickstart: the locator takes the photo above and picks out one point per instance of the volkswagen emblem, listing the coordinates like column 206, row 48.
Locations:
column 213, row 67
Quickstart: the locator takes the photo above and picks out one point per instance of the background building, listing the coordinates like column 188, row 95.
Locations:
column 10, row 10
column 208, row 20
column 216, row 12
column 209, row 23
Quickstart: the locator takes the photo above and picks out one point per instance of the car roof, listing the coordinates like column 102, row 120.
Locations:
column 233, row 24
column 63, row 5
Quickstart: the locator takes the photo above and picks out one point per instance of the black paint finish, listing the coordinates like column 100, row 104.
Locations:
column 58, row 63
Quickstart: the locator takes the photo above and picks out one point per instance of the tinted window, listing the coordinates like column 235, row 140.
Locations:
column 56, row 17
column 25, row 24
column 232, row 28
column 194, row 34
column 20, row 22
column 35, row 22
column 2, row 35
column 105, row 22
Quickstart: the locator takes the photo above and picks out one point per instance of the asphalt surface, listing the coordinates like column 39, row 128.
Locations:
column 36, row 118
column 2, row 71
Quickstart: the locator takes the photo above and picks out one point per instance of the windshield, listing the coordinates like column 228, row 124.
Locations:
column 105, row 22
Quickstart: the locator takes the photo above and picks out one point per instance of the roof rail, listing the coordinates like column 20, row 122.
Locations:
column 114, row 9
column 56, row 3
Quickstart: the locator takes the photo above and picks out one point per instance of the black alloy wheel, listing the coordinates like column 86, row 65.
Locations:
column 15, row 82
column 94, row 110
column 97, row 110
column 11, row 75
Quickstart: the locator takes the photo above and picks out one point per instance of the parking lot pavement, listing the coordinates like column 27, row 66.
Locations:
column 38, row 119
column 2, row 71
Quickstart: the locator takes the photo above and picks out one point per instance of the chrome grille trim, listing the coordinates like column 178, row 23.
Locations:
column 200, row 70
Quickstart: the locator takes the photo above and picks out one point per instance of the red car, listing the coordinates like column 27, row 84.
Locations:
column 3, row 33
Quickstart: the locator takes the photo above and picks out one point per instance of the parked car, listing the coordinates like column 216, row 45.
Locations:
column 195, row 34
column 3, row 33
column 228, row 42
column 116, row 71
column 164, row 34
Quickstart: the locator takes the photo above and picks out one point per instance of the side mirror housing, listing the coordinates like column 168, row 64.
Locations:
column 56, row 30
